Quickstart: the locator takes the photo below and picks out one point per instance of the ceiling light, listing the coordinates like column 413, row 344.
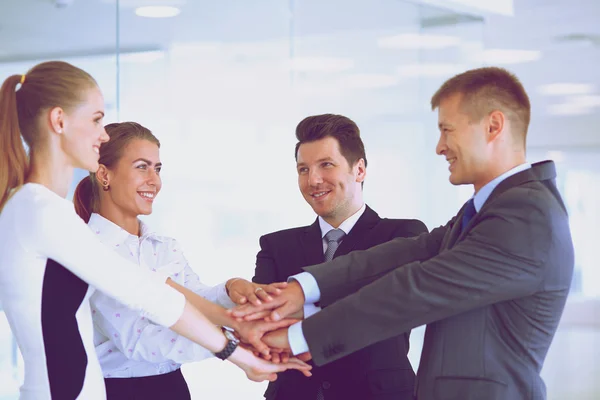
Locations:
column 417, row 41
column 142, row 57
column 368, row 81
column 321, row 64
column 157, row 11
column 569, row 109
column 502, row 7
column 564, row 89
column 508, row 56
column 585, row 100
column 429, row 70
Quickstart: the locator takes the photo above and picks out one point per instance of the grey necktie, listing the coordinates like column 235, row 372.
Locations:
column 333, row 239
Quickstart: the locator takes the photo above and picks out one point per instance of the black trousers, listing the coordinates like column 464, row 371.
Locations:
column 171, row 386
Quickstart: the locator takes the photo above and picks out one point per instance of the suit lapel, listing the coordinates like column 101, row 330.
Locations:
column 357, row 235
column 312, row 244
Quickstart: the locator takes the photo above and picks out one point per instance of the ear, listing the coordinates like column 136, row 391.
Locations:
column 57, row 120
column 496, row 125
column 360, row 170
column 102, row 174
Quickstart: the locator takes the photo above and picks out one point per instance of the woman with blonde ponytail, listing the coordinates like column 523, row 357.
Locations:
column 51, row 262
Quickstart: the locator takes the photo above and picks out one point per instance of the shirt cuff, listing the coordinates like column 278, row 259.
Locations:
column 310, row 309
column 308, row 283
column 296, row 339
column 222, row 298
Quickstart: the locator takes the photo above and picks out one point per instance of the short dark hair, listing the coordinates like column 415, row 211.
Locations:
column 485, row 90
column 343, row 129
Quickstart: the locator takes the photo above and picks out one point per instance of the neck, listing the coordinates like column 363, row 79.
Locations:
column 499, row 167
column 52, row 171
column 336, row 220
column 128, row 222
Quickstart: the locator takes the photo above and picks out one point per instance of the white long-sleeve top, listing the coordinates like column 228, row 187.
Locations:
column 127, row 343
column 48, row 256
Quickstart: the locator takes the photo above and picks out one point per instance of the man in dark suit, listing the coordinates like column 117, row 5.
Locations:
column 331, row 164
column 491, row 284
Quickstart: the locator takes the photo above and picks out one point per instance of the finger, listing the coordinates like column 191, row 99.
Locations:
column 257, row 315
column 243, row 310
column 236, row 297
column 263, row 295
column 260, row 346
column 284, row 323
column 304, row 356
column 275, row 358
column 297, row 365
column 285, row 357
column 279, row 285
column 273, row 289
column 254, row 300
column 284, row 311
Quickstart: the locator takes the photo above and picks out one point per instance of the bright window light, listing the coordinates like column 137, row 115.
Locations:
column 417, row 41
column 565, row 89
column 429, row 70
column 157, row 11
column 321, row 64
column 508, row 56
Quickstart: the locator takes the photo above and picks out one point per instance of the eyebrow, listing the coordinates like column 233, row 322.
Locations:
column 150, row 163
column 444, row 125
column 100, row 112
column 319, row 161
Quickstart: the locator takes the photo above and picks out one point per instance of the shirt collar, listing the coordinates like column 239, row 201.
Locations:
column 346, row 226
column 482, row 195
column 112, row 234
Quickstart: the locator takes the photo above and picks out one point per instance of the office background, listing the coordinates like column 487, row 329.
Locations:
column 223, row 84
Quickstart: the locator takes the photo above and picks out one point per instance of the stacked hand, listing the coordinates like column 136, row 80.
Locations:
column 263, row 316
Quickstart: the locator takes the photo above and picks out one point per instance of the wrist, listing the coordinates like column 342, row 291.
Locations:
column 231, row 344
column 229, row 283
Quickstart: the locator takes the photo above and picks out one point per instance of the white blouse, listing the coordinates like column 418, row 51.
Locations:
column 48, row 256
column 127, row 343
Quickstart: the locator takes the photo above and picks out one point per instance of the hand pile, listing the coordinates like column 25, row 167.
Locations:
column 263, row 316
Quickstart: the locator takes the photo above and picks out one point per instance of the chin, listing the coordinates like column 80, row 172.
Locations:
column 92, row 167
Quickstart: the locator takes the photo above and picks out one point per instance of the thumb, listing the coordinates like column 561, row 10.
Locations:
column 282, row 312
column 237, row 298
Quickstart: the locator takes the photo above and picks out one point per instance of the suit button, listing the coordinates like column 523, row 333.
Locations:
column 326, row 385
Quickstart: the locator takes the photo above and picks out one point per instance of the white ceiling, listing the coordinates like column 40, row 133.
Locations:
column 567, row 32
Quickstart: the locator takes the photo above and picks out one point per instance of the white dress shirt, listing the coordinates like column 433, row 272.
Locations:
column 127, row 344
column 309, row 284
column 297, row 339
column 48, row 256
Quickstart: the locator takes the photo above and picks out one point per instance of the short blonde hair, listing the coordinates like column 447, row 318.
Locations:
column 487, row 89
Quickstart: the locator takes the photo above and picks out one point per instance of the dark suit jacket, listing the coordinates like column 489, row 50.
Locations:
column 492, row 294
column 382, row 370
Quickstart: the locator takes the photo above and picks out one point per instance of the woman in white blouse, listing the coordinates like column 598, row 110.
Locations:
column 140, row 359
column 50, row 262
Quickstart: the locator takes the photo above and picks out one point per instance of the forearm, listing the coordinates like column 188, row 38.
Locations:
column 346, row 274
column 216, row 314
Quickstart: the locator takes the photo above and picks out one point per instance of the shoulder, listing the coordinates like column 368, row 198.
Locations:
column 285, row 233
column 404, row 227
column 534, row 200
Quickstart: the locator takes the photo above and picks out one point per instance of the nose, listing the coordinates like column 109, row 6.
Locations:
column 154, row 178
column 441, row 147
column 314, row 177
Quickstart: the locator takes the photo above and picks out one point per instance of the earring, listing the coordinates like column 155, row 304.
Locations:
column 105, row 186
